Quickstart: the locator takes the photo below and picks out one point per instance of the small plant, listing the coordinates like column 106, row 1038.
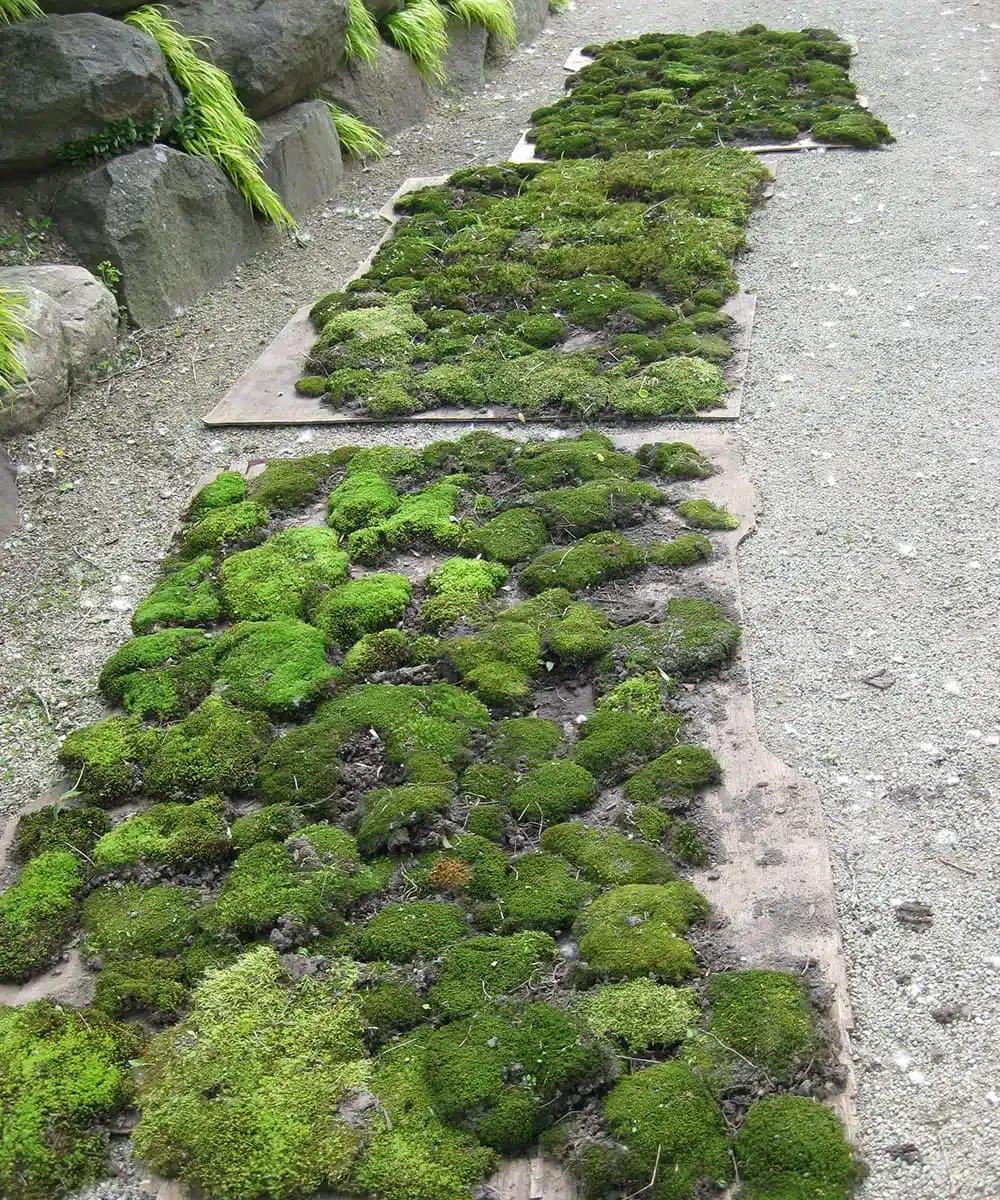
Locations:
column 361, row 40
column 496, row 16
column 18, row 10
column 13, row 306
column 357, row 140
column 419, row 29
column 117, row 137
column 109, row 275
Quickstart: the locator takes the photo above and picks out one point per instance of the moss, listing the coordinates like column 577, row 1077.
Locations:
column 279, row 666
column 640, row 1014
column 128, row 920
column 225, row 529
column 589, row 562
column 478, row 451
column 229, row 487
column 485, row 867
column 38, row 913
column 478, row 972
column 160, row 675
column 597, row 505
column 635, row 930
column 362, row 606
column 685, row 551
column 488, row 781
column 214, row 750
column 286, row 484
column 362, row 498
column 551, row 791
column 674, row 777
column 107, row 757
column 311, row 385
column 573, row 461
column 459, row 587
column 486, row 821
column 691, row 637
column 423, row 519
column 241, row 1099
column 524, row 741
column 505, row 1078
column 511, row 537
column 393, row 462
column 763, row 1016
column 59, row 827
column 184, row 596
column 793, row 1148
column 278, row 578
column 853, row 129
column 537, row 329
column 683, row 386
column 272, row 823
column 686, row 845
column 629, row 726
column 154, row 986
column 543, row 894
column 665, row 1115
column 62, row 1075
column 390, row 1005
column 392, row 814
column 606, row 856
column 302, row 767
column 416, row 929
column 703, row 514
column 178, row 834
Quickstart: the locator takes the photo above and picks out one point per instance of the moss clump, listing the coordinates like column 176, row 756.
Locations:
column 640, row 1014
column 693, row 636
column 593, row 560
column 666, row 1115
column 703, row 514
column 674, row 460
column 391, row 815
column 302, row 767
column 511, row 537
column 62, row 1073
column 273, row 823
column 177, row 834
column 241, row 1099
column 505, row 1078
column 184, row 596
column 635, row 930
column 142, row 985
column 551, row 791
column 423, row 518
column 59, row 827
column 685, row 386
column 459, row 588
column 573, row 460
column 606, row 856
column 389, row 1004
column 597, row 505
column 38, row 913
column 543, row 894
column 362, row 606
column 229, row 487
column 387, row 650
column 674, row 777
column 107, row 757
column 214, row 750
column 416, row 929
column 525, row 741
column 488, row 781
column 629, row 726
column 278, row 578
column 362, row 498
column 311, row 385
column 685, row 551
column 225, row 529
column 486, row 821
column 160, row 675
column 793, row 1148
column 129, row 921
column 279, row 666
column 763, row 1016
column 479, row 972
column 286, row 484
column 469, row 863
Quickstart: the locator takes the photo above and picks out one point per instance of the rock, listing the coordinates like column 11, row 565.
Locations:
column 46, row 362
column 172, row 223
column 532, row 16
column 465, row 62
column 301, row 153
column 8, row 492
column 275, row 51
column 109, row 8
column 89, row 317
column 382, row 8
column 66, row 78
column 391, row 95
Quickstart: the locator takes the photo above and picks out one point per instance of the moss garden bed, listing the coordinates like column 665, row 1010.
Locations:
column 380, row 859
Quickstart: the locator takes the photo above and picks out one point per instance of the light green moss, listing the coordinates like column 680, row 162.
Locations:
column 129, row 920
column 362, row 606
column 177, row 834
column 423, row 519
column 763, row 1016
column 151, row 986
column 685, row 551
column 681, row 385
column 792, row 1148
column 486, row 821
column 525, row 741
column 640, row 1014
column 279, row 666
column 106, row 758
column 416, row 929
column 673, row 778
column 573, row 460
column 278, row 578
column 511, row 537
column 674, row 460
column 606, row 856
column 485, row 863
column 553, row 790
column 703, row 514
column 391, row 814
column 272, row 823
column 38, row 913
column 286, row 484
column 184, row 596
column 635, row 930
column 479, row 972
column 59, row 827
column 628, row 726
column 459, row 587
column 362, row 498
column 160, row 675
column 225, row 529
column 214, row 750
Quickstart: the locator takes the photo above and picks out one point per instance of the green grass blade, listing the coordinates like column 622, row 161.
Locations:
column 419, row 30
column 356, row 138
column 361, row 42
column 496, row 16
column 13, row 306
column 18, row 10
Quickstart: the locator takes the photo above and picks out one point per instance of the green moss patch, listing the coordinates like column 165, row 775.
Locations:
column 674, row 460
column 525, row 741
column 629, row 725
column 59, row 827
column 186, row 595
column 674, row 777
column 286, row 484
column 279, row 666
column 177, row 834
column 38, row 913
column 591, row 561
column 478, row 972
column 544, row 893
column 703, row 514
column 107, row 758
column 606, row 856
column 640, row 1014
column 120, row 921
column 277, row 578
column 635, row 930
column 793, row 1148
column 214, row 750
column 272, row 823
column 392, row 814
column 598, row 505
column 511, row 537
column 423, row 520
column 417, row 929
column 764, row 1016
column 551, row 791
column 362, row 606
column 160, row 675
column 224, row 529
column 228, row 487
column 692, row 637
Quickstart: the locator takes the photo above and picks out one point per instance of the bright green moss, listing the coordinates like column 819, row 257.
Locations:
column 499, row 684
column 214, row 750
column 362, row 498
column 545, row 894
column 467, row 575
column 763, row 1016
column 488, row 781
column 416, row 929
column 178, row 834
column 38, row 913
column 511, row 537
column 635, row 930
column 853, row 129
column 278, row 578
column 597, row 505
column 62, row 1074
column 693, row 636
column 553, row 790
column 792, row 1148
column 241, row 1099
column 593, row 560
column 311, row 385
column 674, row 777
column 279, row 666
column 487, row 863
column 392, row 462
column 606, row 856
column 59, row 827
column 573, row 460
column 377, row 338
column 679, row 385
column 478, row 972
column 142, row 985
column 578, row 635
column 640, row 1014
column 629, row 726
column 362, row 606
column 229, row 487
column 160, row 675
column 129, row 920
column 685, row 551
column 665, row 1115
column 392, row 814
column 703, row 514
column 524, row 741
column 286, row 484
column 386, row 650
column 537, row 329
column 486, row 821
column 184, row 596
column 225, row 529
column 272, row 823
column 423, row 519
column 106, row 758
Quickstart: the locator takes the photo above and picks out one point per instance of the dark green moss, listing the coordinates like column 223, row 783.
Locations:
column 593, row 560
column 598, row 505
column 763, row 1016
column 107, row 758
column 486, row 821
column 469, row 863
column 703, row 514
column 214, row 750
column 635, row 930
column 545, row 893
column 685, row 551
column 362, row 606
column 553, row 790
column 38, row 913
column 606, row 856
column 301, row 767
column 278, row 578
column 59, row 827
column 286, row 484
column 154, row 986
column 279, row 666
column 392, row 814
column 391, row 1005
column 416, row 929
column 272, row 823
column 478, row 972
column 488, row 781
column 178, row 834
column 184, row 596
column 693, row 636
column 793, row 1148
column 674, row 777
column 125, row 921
column 524, row 741
column 160, row 675
column 225, row 529
column 511, row 537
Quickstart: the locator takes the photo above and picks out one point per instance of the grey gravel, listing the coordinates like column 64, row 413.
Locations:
column 872, row 430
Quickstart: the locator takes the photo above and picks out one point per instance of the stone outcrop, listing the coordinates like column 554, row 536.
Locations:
column 391, row 95
column 465, row 62
column 301, row 155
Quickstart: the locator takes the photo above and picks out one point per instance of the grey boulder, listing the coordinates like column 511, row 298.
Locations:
column 465, row 62
column 110, row 8
column 301, row 154
column 46, row 366
column 391, row 95
column 172, row 223
column 66, row 78
column 531, row 16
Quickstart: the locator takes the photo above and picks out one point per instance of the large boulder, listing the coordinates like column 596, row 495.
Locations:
column 465, row 62
column 46, row 364
column 66, row 78
column 110, row 8
column 275, row 51
column 301, row 154
column 382, row 8
column 172, row 223
column 531, row 16
column 391, row 95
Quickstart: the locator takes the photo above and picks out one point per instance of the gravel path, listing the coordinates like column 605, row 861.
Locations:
column 872, row 431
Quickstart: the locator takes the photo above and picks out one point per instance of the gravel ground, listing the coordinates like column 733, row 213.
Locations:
column 872, row 436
